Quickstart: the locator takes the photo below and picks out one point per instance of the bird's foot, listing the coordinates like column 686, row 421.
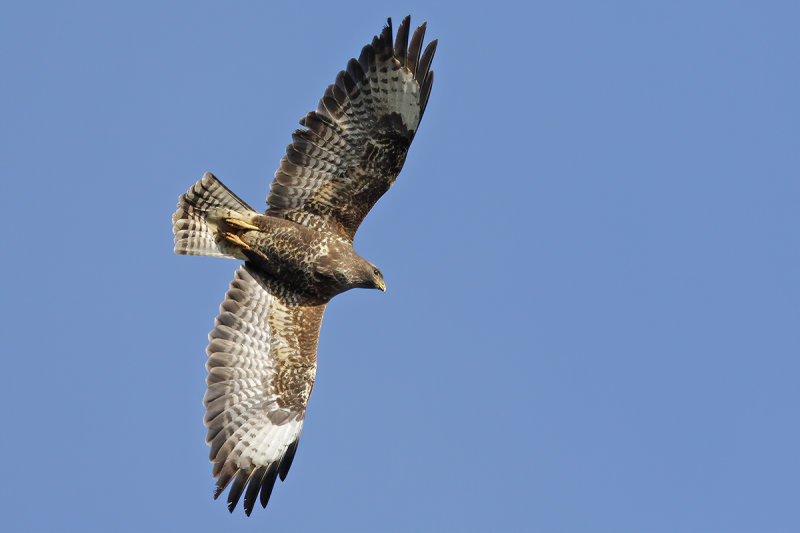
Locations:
column 240, row 224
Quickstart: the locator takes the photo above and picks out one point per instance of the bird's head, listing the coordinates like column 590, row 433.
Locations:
column 371, row 277
column 377, row 277
column 345, row 271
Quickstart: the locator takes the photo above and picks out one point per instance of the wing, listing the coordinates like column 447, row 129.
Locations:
column 356, row 141
column 261, row 367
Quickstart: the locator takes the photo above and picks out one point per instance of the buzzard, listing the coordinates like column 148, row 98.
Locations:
column 298, row 255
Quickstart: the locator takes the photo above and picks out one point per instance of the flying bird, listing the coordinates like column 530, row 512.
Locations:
column 298, row 254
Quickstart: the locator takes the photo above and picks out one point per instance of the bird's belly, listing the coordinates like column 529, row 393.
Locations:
column 280, row 255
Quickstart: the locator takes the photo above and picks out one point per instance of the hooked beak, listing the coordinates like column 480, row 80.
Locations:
column 382, row 285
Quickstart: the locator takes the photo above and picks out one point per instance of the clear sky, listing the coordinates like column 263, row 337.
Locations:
column 592, row 321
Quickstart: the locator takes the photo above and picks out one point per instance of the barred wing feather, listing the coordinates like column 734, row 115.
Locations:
column 356, row 141
column 261, row 368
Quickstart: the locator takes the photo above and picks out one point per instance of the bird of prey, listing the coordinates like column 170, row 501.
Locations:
column 298, row 255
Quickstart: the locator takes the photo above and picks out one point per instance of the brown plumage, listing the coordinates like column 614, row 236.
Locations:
column 298, row 255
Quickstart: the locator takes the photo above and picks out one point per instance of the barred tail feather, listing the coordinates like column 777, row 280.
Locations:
column 194, row 235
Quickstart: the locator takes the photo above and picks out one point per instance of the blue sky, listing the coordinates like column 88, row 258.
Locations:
column 591, row 322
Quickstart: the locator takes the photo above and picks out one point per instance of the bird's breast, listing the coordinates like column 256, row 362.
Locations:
column 300, row 257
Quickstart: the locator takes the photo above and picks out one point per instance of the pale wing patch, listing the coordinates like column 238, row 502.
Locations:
column 407, row 100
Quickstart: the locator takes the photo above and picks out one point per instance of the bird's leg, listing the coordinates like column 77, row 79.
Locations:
column 233, row 239
column 240, row 224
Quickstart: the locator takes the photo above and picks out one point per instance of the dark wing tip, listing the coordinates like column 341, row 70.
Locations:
column 401, row 41
column 286, row 461
column 256, row 484
column 383, row 43
column 425, row 61
column 253, row 487
column 425, row 93
column 268, row 483
column 415, row 47
column 237, row 487
column 406, row 51
column 225, row 472
column 386, row 34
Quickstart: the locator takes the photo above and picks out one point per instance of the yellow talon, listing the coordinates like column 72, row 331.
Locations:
column 235, row 239
column 240, row 224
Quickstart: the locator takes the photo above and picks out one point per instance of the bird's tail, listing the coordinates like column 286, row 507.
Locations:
column 200, row 210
